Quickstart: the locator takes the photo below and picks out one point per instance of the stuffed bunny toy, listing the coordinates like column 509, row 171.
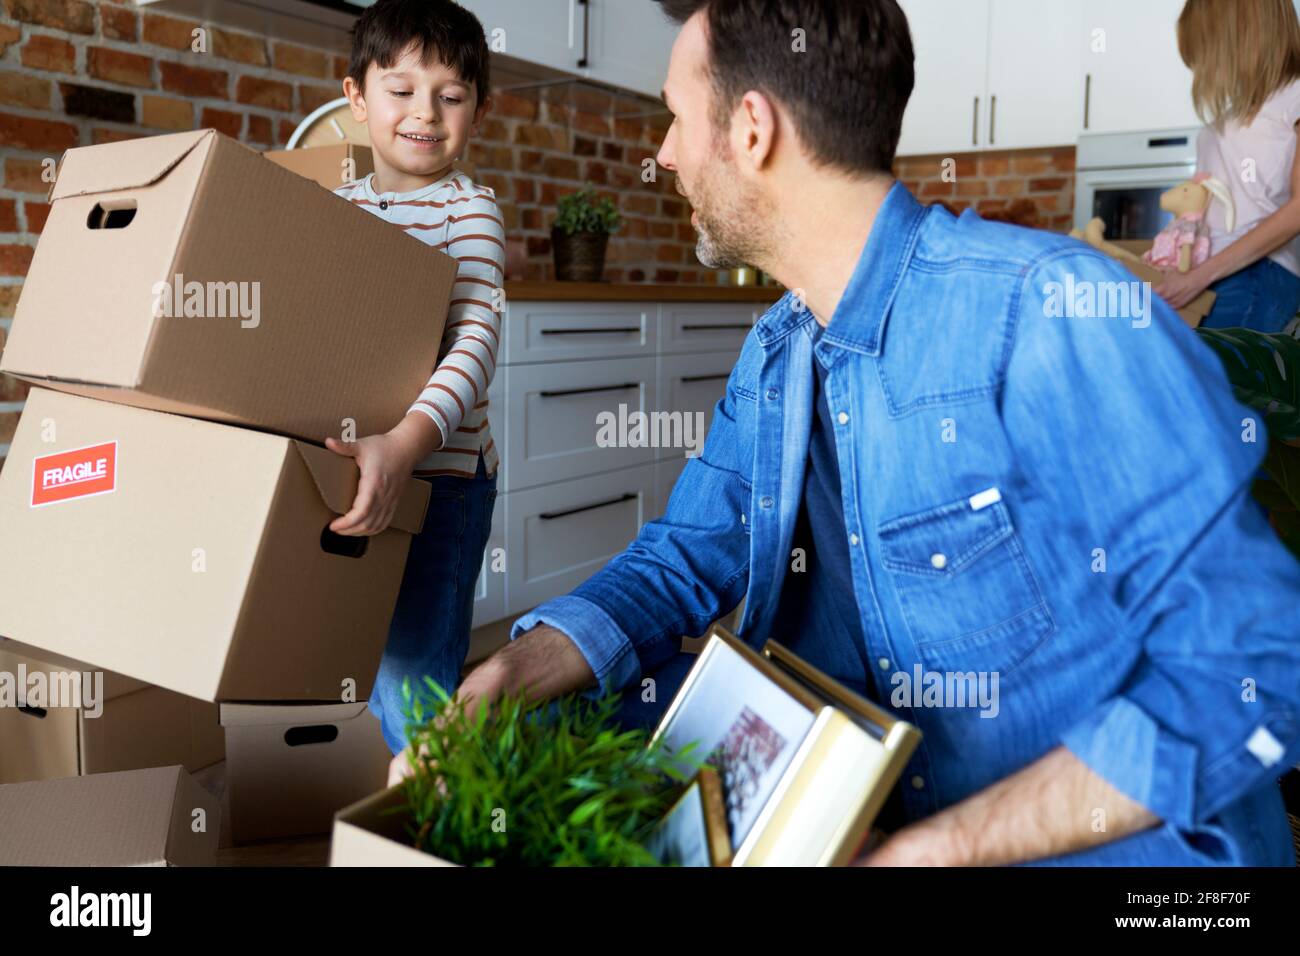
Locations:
column 1185, row 242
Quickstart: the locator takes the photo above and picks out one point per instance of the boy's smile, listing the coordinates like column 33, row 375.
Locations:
column 420, row 117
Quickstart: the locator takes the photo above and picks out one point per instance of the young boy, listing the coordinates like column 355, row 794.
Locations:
column 418, row 79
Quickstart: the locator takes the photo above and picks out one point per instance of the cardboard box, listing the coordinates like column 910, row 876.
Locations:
column 330, row 166
column 291, row 767
column 193, row 556
column 367, row 834
column 123, row 724
column 1194, row 312
column 314, row 311
column 154, row 817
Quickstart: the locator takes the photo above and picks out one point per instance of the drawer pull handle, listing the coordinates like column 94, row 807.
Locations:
column 585, row 391
column 550, row 515
column 703, row 378
column 623, row 330
column 711, row 326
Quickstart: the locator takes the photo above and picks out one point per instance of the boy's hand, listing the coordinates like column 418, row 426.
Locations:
column 386, row 462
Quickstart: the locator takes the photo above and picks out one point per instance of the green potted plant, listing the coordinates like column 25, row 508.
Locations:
column 583, row 225
column 1264, row 370
column 523, row 784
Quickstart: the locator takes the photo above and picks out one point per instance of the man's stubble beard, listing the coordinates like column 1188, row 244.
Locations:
column 733, row 225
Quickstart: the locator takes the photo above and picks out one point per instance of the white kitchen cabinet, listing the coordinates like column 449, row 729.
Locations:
column 689, row 384
column 1035, row 89
column 566, row 331
column 490, row 588
column 948, row 111
column 548, row 32
column 691, row 326
column 629, row 43
column 1134, row 78
column 559, row 535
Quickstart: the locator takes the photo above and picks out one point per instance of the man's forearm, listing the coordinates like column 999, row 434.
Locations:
column 542, row 662
column 1052, row 807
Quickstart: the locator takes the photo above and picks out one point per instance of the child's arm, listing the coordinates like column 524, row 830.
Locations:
column 466, row 364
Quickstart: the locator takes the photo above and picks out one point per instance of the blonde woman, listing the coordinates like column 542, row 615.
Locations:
column 1245, row 61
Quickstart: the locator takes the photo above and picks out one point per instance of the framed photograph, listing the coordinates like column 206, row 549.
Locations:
column 748, row 724
column 694, row 830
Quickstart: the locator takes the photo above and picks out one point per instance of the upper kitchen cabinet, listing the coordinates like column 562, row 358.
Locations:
column 624, row 43
column 949, row 102
column 628, row 44
column 548, row 32
column 1033, row 73
column 1133, row 77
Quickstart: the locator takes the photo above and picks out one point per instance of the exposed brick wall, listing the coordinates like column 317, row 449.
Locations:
column 1032, row 187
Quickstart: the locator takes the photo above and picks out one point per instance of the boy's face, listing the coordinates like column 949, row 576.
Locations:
column 420, row 119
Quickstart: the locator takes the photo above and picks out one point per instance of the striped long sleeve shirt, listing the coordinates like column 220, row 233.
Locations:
column 463, row 220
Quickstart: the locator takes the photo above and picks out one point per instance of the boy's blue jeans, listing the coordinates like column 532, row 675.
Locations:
column 429, row 634
column 1264, row 296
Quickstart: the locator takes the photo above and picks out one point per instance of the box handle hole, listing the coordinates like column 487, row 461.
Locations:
column 315, row 734
column 344, row 545
column 114, row 214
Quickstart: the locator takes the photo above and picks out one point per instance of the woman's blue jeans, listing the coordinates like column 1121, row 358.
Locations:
column 1263, row 296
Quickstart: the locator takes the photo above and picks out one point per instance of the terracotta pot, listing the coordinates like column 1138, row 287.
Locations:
column 579, row 257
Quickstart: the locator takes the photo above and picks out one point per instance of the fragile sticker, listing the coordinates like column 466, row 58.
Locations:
column 79, row 473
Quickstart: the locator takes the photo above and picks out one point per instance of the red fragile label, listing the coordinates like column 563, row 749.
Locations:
column 79, row 473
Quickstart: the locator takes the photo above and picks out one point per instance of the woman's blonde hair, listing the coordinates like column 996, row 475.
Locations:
column 1240, row 52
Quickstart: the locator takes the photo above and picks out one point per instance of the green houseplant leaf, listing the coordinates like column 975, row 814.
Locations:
column 584, row 212
column 1264, row 370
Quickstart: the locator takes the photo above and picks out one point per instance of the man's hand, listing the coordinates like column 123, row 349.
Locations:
column 386, row 462
column 543, row 663
column 1050, row 808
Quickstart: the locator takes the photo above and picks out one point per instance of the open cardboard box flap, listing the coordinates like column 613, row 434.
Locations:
column 136, row 163
column 338, row 488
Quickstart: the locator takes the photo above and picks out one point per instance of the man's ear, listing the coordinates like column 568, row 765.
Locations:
column 756, row 119
column 355, row 99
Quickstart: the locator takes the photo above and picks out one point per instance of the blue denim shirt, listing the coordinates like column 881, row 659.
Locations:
column 1059, row 499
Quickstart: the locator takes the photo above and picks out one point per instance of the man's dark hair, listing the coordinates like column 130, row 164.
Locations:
column 440, row 29
column 846, row 91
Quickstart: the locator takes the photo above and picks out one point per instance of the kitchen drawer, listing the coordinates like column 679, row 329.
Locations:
column 550, row 418
column 690, row 384
column 560, row 535
column 705, row 326
column 490, row 588
column 666, row 475
column 565, row 331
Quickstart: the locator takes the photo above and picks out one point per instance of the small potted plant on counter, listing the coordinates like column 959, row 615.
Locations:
column 583, row 225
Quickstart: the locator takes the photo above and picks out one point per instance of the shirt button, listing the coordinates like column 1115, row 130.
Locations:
column 918, row 782
column 843, row 418
column 772, row 394
column 853, row 540
column 938, row 561
column 383, row 204
column 884, row 663
column 765, row 501
column 742, row 517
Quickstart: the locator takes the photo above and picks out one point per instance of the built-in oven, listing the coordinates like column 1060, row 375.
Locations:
column 1120, row 176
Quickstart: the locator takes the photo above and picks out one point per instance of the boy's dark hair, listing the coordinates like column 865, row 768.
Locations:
column 846, row 92
column 439, row 28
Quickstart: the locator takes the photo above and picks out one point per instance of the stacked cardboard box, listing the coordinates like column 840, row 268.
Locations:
column 198, row 320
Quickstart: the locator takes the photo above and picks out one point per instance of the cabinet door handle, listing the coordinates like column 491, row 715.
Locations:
column 587, row 391
column 586, row 32
column 993, row 117
column 702, row 378
column 715, row 325
column 552, row 515
column 975, row 123
column 619, row 330
column 1087, row 97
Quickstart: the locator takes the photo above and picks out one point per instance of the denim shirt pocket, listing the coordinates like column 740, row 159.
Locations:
column 964, row 585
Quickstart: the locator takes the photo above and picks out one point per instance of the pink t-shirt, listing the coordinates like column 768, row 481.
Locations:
column 1255, row 163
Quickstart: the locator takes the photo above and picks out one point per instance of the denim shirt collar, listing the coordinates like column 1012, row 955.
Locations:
column 859, row 319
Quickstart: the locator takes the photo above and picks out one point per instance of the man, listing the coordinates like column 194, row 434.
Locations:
column 996, row 455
